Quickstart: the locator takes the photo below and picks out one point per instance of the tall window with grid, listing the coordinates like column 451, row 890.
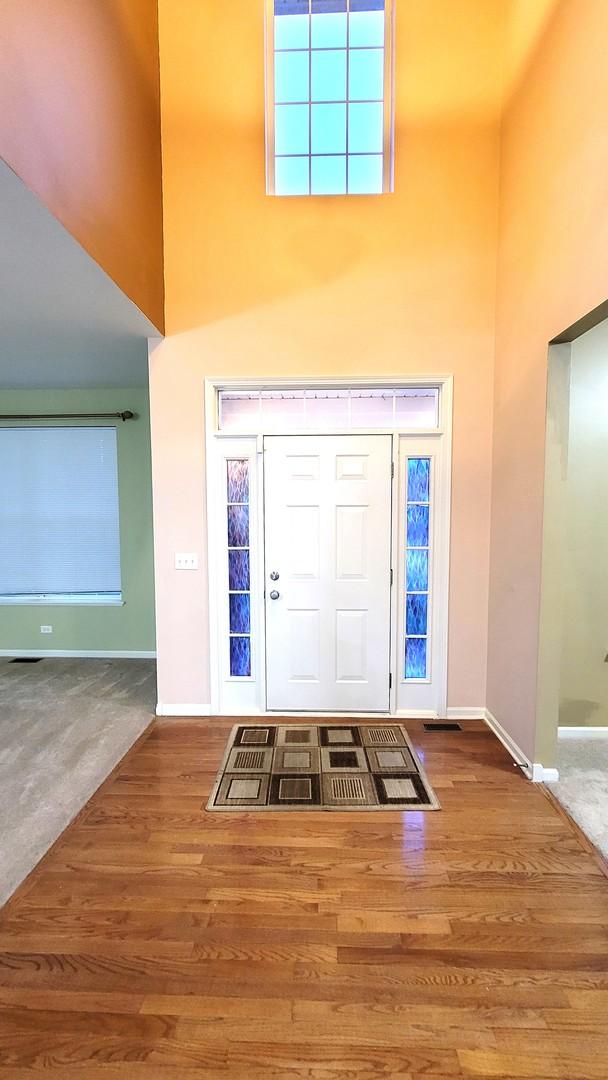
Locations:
column 329, row 109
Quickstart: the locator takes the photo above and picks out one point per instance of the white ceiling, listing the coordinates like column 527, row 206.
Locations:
column 63, row 321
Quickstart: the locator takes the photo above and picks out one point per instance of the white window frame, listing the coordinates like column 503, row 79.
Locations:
column 425, row 698
column 388, row 155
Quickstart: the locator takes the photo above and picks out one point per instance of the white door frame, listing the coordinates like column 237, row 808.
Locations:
column 247, row 696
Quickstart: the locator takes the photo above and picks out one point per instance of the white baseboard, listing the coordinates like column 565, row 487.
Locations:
column 163, row 709
column 192, row 709
column 543, row 775
column 91, row 654
column 461, row 712
column 509, row 744
column 415, row 714
column 534, row 771
column 582, row 732
column 466, row 712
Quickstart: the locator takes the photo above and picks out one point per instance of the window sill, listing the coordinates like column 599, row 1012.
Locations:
column 65, row 600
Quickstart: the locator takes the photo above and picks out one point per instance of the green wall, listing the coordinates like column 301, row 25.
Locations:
column 131, row 627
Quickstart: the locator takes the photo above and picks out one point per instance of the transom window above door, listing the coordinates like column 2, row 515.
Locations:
column 286, row 410
column 329, row 108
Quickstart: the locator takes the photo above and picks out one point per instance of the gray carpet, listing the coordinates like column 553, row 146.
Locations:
column 64, row 725
column 583, row 785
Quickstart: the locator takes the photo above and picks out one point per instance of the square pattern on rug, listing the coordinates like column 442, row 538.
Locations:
column 321, row 767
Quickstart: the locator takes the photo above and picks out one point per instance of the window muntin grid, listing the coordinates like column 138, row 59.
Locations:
column 328, row 117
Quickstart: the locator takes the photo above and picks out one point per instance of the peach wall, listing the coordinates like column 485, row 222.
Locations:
column 553, row 268
column 334, row 286
column 80, row 125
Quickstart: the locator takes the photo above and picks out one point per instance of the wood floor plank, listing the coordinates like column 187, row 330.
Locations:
column 159, row 942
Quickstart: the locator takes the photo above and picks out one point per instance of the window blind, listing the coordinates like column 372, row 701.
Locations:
column 59, row 523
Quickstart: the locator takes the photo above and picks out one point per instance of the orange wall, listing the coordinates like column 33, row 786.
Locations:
column 80, row 125
column 333, row 286
column 553, row 268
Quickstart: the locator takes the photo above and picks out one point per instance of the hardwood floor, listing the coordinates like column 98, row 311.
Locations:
column 159, row 942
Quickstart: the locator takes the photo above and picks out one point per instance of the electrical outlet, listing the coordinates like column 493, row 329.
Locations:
column 46, row 629
column 186, row 560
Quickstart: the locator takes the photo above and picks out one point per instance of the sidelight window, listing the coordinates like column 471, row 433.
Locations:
column 239, row 569
column 417, row 552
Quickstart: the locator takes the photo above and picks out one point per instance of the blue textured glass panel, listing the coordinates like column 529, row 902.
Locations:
column 240, row 656
column 291, row 129
column 292, row 31
column 329, row 75
column 365, row 174
column 238, row 526
column 418, row 479
column 328, row 176
column 417, row 526
column 291, row 76
column 329, row 129
column 240, row 613
column 329, row 31
column 416, row 571
column 238, row 481
column 365, row 128
column 292, row 176
column 416, row 613
column 415, row 658
column 355, row 5
column 366, row 74
column 366, row 28
column 238, row 570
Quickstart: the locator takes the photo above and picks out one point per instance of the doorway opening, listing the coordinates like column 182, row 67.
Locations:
column 572, row 709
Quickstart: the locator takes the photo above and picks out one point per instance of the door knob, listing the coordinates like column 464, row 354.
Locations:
column 274, row 575
column 274, row 594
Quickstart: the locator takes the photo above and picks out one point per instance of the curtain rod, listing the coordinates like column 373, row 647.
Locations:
column 127, row 415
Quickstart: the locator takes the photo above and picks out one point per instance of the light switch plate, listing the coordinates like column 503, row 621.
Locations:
column 186, row 560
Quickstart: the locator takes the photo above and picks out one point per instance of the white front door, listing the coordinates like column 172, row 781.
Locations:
column 327, row 526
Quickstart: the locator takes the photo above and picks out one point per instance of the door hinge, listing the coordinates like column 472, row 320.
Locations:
column 392, row 469
column 390, row 680
column 391, row 576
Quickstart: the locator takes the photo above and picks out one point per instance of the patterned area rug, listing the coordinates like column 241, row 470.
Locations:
column 318, row 767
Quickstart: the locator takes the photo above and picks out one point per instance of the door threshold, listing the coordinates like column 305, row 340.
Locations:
column 411, row 714
column 331, row 715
